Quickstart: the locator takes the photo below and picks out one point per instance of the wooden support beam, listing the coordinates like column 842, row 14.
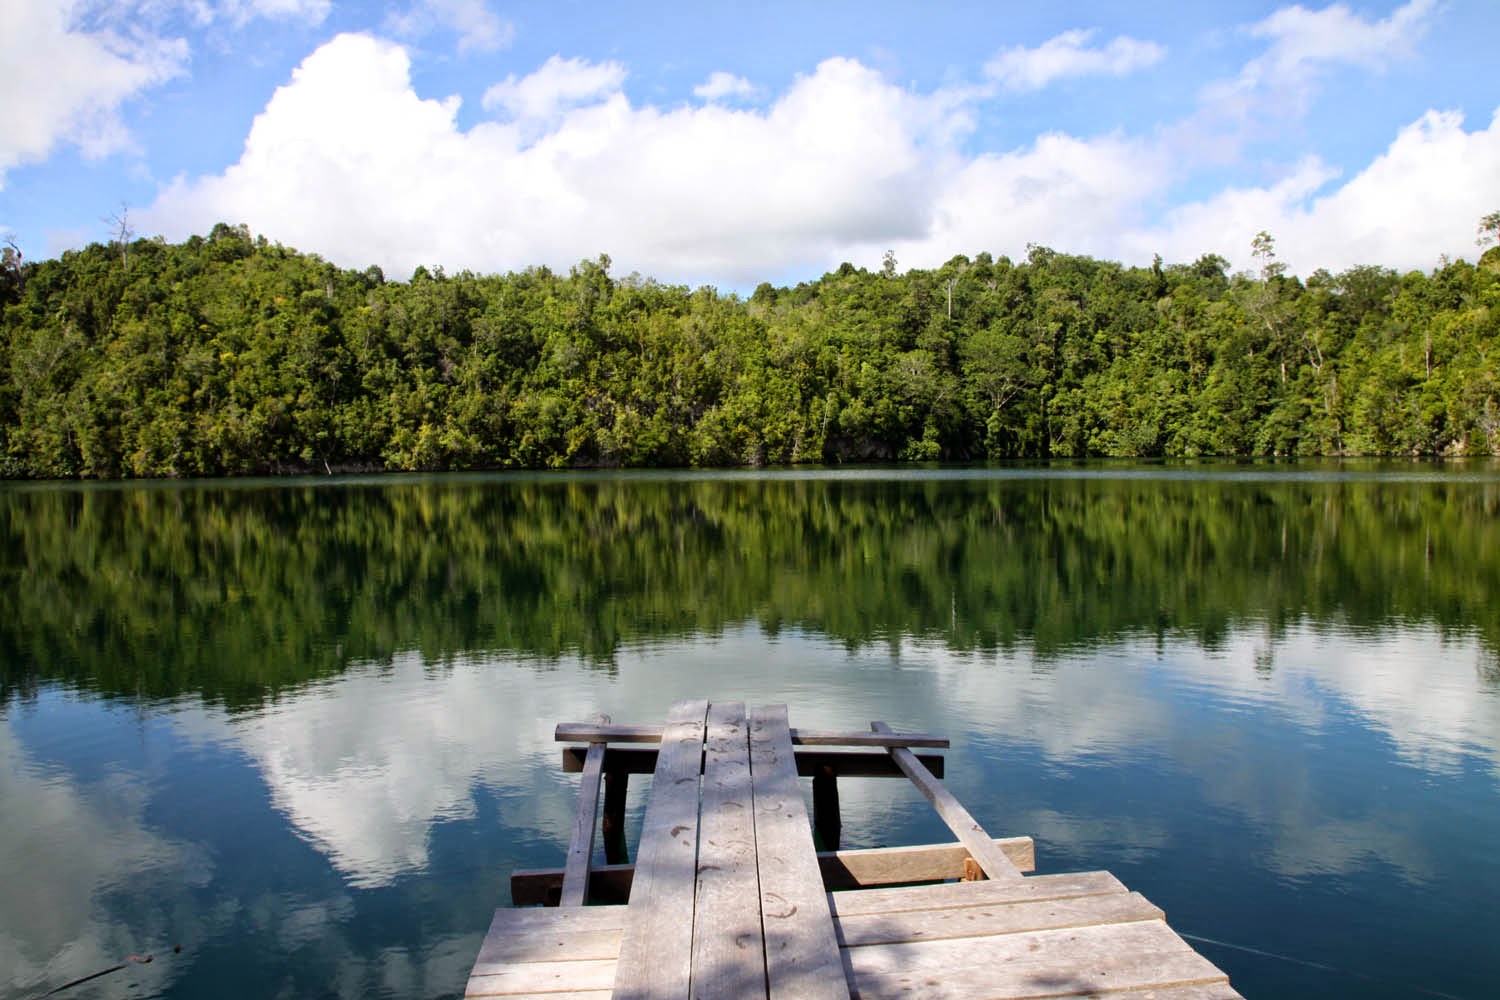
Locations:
column 575, row 887
column 827, row 823
column 590, row 732
column 877, row 866
column 856, row 869
column 994, row 862
column 841, row 763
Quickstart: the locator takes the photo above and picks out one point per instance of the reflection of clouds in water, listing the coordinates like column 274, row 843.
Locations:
column 1427, row 692
column 1085, row 837
column 86, row 882
column 430, row 971
column 1339, row 846
column 364, row 767
column 1418, row 688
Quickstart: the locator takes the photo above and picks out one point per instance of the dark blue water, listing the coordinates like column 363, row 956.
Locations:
column 303, row 730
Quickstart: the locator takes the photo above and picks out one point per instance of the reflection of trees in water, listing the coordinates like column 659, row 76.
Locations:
column 234, row 592
column 1487, row 666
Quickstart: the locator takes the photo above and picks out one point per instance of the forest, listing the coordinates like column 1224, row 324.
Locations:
column 232, row 355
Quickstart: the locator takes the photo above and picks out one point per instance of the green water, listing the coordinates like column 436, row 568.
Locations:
column 302, row 729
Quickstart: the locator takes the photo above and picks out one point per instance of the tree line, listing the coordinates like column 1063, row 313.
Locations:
column 233, row 355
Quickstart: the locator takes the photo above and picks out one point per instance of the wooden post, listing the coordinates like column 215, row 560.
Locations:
column 827, row 822
column 612, row 824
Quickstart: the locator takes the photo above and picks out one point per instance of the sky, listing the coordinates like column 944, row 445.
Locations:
column 728, row 144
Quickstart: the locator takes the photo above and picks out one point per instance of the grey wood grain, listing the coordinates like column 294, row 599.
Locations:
column 802, row 957
column 592, row 732
column 728, row 947
column 893, row 899
column 844, row 763
column 998, row 918
column 656, row 951
column 1088, row 960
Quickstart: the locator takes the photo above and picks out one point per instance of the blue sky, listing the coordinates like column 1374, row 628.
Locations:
column 715, row 143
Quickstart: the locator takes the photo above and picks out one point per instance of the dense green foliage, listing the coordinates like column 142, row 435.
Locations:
column 232, row 355
column 231, row 592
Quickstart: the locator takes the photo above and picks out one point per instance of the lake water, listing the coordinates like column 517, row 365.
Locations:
column 302, row 729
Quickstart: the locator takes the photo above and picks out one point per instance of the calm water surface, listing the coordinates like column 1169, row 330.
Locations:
column 303, row 729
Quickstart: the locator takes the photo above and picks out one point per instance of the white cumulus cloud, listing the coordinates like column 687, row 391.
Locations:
column 1067, row 55
column 477, row 26
column 1302, row 39
column 1069, row 193
column 1418, row 199
column 558, row 85
column 349, row 161
column 241, row 12
column 721, row 85
column 60, row 84
column 1301, row 43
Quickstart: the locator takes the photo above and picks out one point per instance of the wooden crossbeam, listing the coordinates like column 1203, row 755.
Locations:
column 593, row 732
column 968, row 831
column 852, row 869
column 843, row 763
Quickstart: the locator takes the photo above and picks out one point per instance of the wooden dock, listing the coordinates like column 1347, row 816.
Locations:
column 729, row 898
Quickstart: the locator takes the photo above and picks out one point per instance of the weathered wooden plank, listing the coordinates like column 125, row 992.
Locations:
column 543, row 977
column 843, row 763
column 656, row 952
column 999, row 918
column 857, row 738
column 896, row 899
column 728, row 949
column 578, row 934
column 519, row 920
column 567, row 995
column 1039, row 964
column 874, row 866
column 575, row 887
column 543, row 946
column 1142, row 976
column 525, row 951
column 589, row 732
column 1194, row 991
column 968, row 831
column 801, row 950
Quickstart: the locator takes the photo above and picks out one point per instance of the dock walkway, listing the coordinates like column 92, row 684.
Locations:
column 729, row 898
